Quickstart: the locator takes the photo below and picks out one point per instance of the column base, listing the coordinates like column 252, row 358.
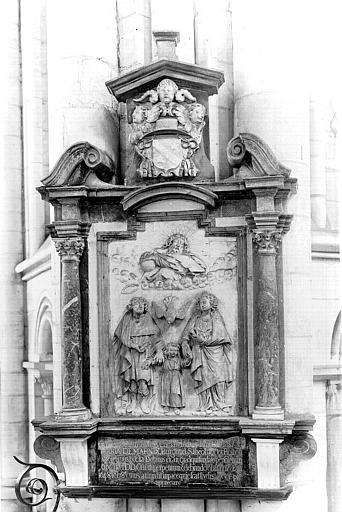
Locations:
column 268, row 413
column 74, row 415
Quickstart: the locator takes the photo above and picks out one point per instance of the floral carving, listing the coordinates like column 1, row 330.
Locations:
column 70, row 247
column 267, row 241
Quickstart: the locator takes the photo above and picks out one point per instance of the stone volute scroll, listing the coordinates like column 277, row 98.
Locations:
column 250, row 156
column 82, row 163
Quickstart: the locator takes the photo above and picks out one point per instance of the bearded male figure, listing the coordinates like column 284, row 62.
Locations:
column 135, row 340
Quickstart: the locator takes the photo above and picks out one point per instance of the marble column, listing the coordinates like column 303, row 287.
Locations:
column 272, row 101
column 266, row 229
column 70, row 251
column 267, row 327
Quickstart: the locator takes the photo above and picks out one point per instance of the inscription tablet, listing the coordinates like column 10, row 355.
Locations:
column 228, row 462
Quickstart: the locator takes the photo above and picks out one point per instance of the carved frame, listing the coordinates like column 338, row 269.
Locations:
column 237, row 232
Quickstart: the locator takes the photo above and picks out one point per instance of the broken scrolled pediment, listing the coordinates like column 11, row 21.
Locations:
column 251, row 157
column 82, row 164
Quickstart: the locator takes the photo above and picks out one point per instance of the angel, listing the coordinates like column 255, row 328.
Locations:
column 140, row 124
column 168, row 316
column 169, row 312
column 164, row 100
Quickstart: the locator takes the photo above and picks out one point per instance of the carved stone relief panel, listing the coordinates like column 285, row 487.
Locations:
column 166, row 131
column 173, row 322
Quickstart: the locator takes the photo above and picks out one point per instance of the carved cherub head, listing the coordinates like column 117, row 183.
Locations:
column 138, row 305
column 166, row 91
column 139, row 114
column 197, row 113
column 207, row 302
column 177, row 243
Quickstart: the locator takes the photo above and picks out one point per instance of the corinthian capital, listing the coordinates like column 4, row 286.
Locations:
column 267, row 241
column 70, row 248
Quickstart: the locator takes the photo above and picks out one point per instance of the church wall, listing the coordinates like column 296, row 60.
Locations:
column 80, row 108
column 12, row 345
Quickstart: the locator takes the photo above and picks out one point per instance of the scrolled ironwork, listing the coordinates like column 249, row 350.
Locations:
column 35, row 486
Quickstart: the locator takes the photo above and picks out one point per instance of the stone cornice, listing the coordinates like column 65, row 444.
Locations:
column 207, row 427
column 240, row 187
column 186, row 75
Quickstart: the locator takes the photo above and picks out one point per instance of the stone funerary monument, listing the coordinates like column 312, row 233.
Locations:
column 172, row 307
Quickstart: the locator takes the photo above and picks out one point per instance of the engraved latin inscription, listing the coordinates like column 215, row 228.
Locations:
column 175, row 462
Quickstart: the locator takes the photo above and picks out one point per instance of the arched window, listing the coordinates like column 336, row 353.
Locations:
column 43, row 332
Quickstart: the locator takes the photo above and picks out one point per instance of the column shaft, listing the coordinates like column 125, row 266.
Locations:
column 71, row 320
column 70, row 251
column 267, row 329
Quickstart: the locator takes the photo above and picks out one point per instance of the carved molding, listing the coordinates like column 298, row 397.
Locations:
column 171, row 190
column 77, row 163
column 251, row 157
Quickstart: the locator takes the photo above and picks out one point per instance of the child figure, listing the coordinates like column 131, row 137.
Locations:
column 171, row 378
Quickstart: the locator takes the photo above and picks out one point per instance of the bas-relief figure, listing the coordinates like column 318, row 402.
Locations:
column 167, row 126
column 210, row 346
column 173, row 361
column 173, row 266
column 135, row 340
column 173, row 350
column 171, row 263
column 146, row 345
